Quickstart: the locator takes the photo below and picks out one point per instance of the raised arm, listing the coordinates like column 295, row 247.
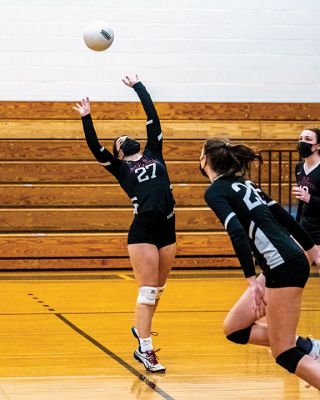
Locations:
column 154, row 132
column 103, row 156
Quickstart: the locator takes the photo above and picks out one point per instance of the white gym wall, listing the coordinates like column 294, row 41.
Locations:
column 184, row 50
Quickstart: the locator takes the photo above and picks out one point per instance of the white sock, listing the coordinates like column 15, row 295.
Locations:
column 146, row 344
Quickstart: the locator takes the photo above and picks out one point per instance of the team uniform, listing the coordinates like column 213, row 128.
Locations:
column 257, row 224
column 146, row 181
column 309, row 213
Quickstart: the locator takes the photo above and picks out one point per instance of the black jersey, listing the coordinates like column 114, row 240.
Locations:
column 255, row 223
column 145, row 181
column 310, row 215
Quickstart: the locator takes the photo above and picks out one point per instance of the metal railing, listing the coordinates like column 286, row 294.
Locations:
column 276, row 176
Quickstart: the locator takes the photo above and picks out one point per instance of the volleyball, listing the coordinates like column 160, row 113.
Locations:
column 98, row 36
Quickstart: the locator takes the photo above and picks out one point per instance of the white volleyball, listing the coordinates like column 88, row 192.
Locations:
column 98, row 36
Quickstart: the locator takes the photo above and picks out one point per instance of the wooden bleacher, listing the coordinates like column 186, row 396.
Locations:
column 60, row 209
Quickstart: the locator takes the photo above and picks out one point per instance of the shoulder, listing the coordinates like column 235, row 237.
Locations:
column 216, row 189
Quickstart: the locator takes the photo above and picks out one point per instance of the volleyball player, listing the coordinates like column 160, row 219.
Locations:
column 151, row 240
column 307, row 190
column 255, row 222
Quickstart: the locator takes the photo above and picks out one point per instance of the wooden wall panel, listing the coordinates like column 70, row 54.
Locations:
column 93, row 263
column 108, row 129
column 72, row 245
column 92, row 172
column 166, row 110
column 100, row 195
column 93, row 219
column 55, row 150
column 50, row 181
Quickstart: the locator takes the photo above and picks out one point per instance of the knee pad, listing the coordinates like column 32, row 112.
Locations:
column 147, row 295
column 289, row 359
column 241, row 336
column 160, row 291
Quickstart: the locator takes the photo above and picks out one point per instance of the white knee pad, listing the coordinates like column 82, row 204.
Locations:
column 147, row 295
column 160, row 291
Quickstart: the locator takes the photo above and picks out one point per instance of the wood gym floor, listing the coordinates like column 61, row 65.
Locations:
column 66, row 335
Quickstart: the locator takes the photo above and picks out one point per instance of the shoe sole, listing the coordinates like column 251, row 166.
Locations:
column 161, row 371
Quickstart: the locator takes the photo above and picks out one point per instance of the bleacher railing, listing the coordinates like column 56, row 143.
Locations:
column 276, row 176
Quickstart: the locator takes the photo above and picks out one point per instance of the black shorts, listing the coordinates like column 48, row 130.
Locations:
column 292, row 273
column 157, row 229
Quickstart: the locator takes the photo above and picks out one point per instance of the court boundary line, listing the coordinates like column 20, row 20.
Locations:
column 116, row 358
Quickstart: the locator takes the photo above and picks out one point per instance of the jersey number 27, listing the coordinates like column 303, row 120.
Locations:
column 143, row 173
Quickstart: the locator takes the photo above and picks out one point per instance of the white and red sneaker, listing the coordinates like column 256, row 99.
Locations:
column 149, row 360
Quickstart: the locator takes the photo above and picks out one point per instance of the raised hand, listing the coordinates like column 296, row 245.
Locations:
column 84, row 107
column 130, row 81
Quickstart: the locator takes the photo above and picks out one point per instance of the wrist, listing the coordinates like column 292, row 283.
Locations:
column 252, row 281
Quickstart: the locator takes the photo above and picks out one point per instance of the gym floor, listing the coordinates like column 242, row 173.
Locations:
column 66, row 335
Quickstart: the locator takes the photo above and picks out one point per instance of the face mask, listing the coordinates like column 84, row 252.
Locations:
column 130, row 146
column 304, row 149
column 203, row 172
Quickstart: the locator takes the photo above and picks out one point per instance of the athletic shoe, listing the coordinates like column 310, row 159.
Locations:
column 149, row 360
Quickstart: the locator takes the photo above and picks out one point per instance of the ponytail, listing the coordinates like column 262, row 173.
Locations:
column 227, row 158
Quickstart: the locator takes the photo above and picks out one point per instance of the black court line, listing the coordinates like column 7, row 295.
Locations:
column 143, row 378
column 100, row 346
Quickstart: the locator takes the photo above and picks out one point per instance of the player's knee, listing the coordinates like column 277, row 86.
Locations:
column 147, row 295
column 289, row 359
column 241, row 336
column 160, row 291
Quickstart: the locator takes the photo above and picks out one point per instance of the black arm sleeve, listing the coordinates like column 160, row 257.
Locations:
column 102, row 155
column 154, row 132
column 287, row 220
column 239, row 238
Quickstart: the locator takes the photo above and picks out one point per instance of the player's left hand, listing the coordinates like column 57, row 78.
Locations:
column 301, row 193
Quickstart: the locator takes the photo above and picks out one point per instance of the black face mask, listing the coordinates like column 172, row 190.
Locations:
column 304, row 149
column 130, row 146
column 203, row 172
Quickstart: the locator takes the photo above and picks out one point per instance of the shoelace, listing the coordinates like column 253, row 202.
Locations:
column 152, row 357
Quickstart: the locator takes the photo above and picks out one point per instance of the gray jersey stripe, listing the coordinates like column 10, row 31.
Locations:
column 227, row 220
column 251, row 228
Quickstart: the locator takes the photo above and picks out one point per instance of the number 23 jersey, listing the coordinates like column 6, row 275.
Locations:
column 254, row 222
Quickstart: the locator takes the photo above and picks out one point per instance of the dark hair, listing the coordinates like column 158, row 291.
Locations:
column 114, row 148
column 317, row 133
column 227, row 158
